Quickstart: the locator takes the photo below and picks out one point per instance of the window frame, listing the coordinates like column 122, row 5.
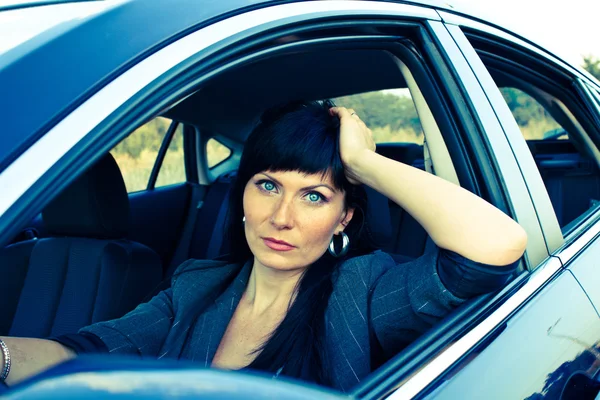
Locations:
column 592, row 95
column 568, row 93
column 518, row 148
column 494, row 137
column 438, row 349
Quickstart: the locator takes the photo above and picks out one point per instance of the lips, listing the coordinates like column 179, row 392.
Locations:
column 278, row 245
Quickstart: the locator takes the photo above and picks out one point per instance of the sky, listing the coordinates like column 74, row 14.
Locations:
column 569, row 28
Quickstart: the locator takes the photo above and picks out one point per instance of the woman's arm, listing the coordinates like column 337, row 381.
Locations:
column 32, row 356
column 454, row 218
column 141, row 332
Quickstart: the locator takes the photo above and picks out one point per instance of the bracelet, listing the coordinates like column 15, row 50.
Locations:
column 6, row 357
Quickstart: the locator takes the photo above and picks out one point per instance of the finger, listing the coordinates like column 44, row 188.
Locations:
column 340, row 112
column 353, row 113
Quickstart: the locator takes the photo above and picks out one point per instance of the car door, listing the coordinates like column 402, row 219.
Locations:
column 583, row 254
column 199, row 45
column 548, row 329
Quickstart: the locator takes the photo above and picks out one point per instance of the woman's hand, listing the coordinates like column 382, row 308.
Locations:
column 355, row 139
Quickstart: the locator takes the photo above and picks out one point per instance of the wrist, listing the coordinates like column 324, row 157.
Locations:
column 5, row 366
column 359, row 164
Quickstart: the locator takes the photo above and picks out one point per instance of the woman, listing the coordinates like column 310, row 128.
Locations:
column 285, row 304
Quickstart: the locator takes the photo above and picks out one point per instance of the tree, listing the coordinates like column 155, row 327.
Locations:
column 523, row 106
column 592, row 65
column 380, row 110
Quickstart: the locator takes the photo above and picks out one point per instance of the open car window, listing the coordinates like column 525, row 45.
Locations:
column 390, row 114
column 138, row 154
column 561, row 135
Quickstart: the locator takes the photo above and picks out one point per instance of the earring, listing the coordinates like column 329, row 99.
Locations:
column 244, row 219
column 345, row 246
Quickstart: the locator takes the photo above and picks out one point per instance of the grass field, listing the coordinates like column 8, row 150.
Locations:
column 136, row 170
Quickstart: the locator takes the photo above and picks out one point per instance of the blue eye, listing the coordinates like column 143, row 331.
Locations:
column 268, row 186
column 314, row 197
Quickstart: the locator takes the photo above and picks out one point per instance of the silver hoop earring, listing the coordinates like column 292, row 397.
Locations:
column 244, row 219
column 345, row 245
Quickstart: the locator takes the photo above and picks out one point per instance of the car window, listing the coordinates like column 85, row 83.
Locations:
column 534, row 121
column 559, row 130
column 390, row 114
column 172, row 168
column 137, row 154
column 216, row 152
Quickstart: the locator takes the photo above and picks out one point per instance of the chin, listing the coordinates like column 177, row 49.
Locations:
column 278, row 261
column 283, row 261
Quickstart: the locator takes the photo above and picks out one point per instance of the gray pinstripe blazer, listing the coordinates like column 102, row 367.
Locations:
column 371, row 293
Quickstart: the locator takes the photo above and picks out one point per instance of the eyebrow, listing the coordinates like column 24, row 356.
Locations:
column 304, row 188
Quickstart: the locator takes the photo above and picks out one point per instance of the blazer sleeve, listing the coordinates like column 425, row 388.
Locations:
column 407, row 299
column 142, row 331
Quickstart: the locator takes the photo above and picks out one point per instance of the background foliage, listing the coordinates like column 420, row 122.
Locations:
column 592, row 65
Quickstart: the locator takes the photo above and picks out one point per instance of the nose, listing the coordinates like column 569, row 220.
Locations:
column 282, row 216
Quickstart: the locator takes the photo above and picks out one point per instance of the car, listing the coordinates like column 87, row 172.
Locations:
column 171, row 89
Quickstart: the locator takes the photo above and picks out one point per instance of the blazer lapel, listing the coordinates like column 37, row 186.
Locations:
column 211, row 325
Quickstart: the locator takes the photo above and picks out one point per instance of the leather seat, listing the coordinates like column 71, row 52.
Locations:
column 86, row 271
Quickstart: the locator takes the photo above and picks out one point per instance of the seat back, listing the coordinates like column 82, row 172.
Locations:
column 571, row 179
column 86, row 271
column 408, row 238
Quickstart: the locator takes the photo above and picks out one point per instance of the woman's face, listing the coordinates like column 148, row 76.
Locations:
column 291, row 217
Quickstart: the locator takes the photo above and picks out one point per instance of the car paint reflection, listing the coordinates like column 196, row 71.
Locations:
column 541, row 345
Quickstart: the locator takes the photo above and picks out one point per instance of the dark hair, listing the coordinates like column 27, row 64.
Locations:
column 304, row 137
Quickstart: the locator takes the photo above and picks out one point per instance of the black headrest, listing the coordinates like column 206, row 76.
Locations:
column 406, row 153
column 378, row 224
column 95, row 205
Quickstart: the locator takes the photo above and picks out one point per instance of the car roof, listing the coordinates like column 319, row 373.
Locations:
column 72, row 72
column 18, row 4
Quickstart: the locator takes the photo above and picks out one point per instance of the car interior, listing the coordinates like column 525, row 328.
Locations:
column 95, row 252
